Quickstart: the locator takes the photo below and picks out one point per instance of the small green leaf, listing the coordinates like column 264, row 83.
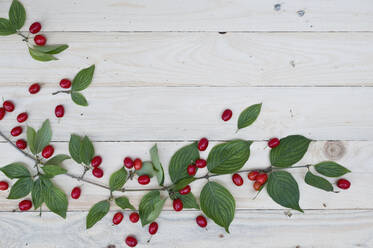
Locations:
column 124, row 203
column 31, row 133
column 40, row 56
column 53, row 170
column 182, row 183
column 21, row 188
column 74, row 147
column 43, row 136
column 118, row 179
column 79, row 99
column 318, row 182
column 228, row 157
column 87, row 151
column 146, row 169
column 157, row 164
column 283, row 189
column 6, row 28
column 37, row 193
column 56, row 200
column 83, row 79
column 331, row 169
column 15, row 170
column 291, row 149
column 189, row 201
column 249, row 115
column 218, row 204
column 150, row 207
column 17, row 14
column 58, row 159
column 180, row 161
column 51, row 49
column 97, row 212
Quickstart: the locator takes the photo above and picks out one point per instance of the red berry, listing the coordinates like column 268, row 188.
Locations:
column 40, row 40
column 96, row 161
column 4, row 185
column 134, row 217
column 178, row 205
column 25, row 205
column 131, row 241
column 8, row 106
column 2, row 113
column 16, row 131
column 35, row 27
column 252, row 175
column 203, row 144
column 237, row 179
column 262, row 178
column 98, row 172
column 65, row 83
column 144, row 179
column 137, row 164
column 128, row 162
column 47, row 151
column 201, row 221
column 185, row 190
column 200, row 163
column 153, row 228
column 59, row 111
column 117, row 218
column 272, row 143
column 343, row 184
column 34, row 88
column 75, row 193
column 257, row 186
column 192, row 169
column 22, row 117
column 227, row 115
column 21, row 144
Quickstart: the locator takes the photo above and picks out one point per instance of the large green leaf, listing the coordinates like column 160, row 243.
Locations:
column 228, row 157
column 124, row 203
column 15, row 170
column 87, row 151
column 21, row 188
column 17, row 14
column 189, row 201
column 97, row 212
column 157, row 164
column 118, row 179
column 249, row 115
column 56, row 200
column 51, row 49
column 146, row 169
column 43, row 136
column 40, row 56
column 331, row 169
column 318, row 182
column 37, row 193
column 283, row 189
column 218, row 204
column 6, row 28
column 57, row 160
column 31, row 133
column 180, row 161
column 150, row 207
column 291, row 149
column 83, row 79
column 74, row 147
column 79, row 99
column 53, row 170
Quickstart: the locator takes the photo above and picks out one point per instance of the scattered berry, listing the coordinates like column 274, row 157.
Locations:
column 192, row 169
column 2, row 113
column 97, row 172
column 47, row 151
column 227, row 115
column 262, row 178
column 117, row 218
column 252, row 175
column 96, row 161
column 75, row 193
column 201, row 163
column 59, row 111
column 65, row 83
column 131, row 241
column 237, row 179
column 144, row 179
column 40, row 40
column 203, row 144
column 22, row 117
column 25, row 205
column 201, row 221
column 21, row 144
column 134, row 217
column 128, row 162
column 8, row 106
column 34, row 88
column 185, row 190
column 153, row 228
column 178, row 205
column 257, row 186
column 272, row 143
column 35, row 27
column 4, row 185
column 16, row 131
column 137, row 164
column 343, row 184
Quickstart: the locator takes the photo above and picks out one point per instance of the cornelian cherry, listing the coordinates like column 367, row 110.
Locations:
column 343, row 183
column 227, row 115
column 65, row 83
column 59, row 111
column 16, row 131
column 96, row 161
column 34, row 88
column 144, row 179
column 40, row 40
column 257, row 186
column 21, row 144
column 201, row 221
column 272, row 143
column 75, row 193
column 35, row 27
column 128, row 162
column 203, row 144
column 237, row 179
column 178, row 205
column 97, row 172
column 47, row 151
column 201, row 163
column 134, row 217
column 137, row 164
column 252, row 175
column 185, row 190
column 192, row 169
column 131, row 241
column 8, row 106
column 2, row 113
column 261, row 178
column 25, row 205
column 22, row 117
column 117, row 218
column 4, row 185
column 153, row 228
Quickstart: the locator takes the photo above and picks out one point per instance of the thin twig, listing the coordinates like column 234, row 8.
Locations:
column 62, row 91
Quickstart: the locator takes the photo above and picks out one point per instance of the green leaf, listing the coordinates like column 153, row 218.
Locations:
column 180, row 161
column 53, row 170
column 318, row 182
column 79, row 99
column 124, row 203
column 58, row 159
column 249, row 115
column 74, row 147
column 17, row 14
column 146, row 169
column 15, row 170
column 291, row 149
column 283, row 189
column 37, row 193
column 40, row 56
column 56, row 200
column 182, row 183
column 87, row 151
column 118, row 179
column 157, row 164
column 43, row 136
column 331, row 169
column 83, row 79
column 6, row 28
column 228, row 157
column 21, row 188
column 218, row 204
column 51, row 49
column 97, row 212
column 189, row 201
column 31, row 133
column 150, row 207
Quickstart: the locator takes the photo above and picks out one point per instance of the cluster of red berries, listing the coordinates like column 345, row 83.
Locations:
column 95, row 163
column 137, row 165
column 39, row 39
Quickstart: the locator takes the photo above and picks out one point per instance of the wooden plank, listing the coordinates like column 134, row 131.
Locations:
column 189, row 113
column 199, row 59
column 356, row 155
column 196, row 15
column 265, row 229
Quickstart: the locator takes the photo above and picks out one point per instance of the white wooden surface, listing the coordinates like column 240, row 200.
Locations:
column 165, row 73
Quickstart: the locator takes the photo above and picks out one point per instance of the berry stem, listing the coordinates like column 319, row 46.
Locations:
column 25, row 38
column 62, row 91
